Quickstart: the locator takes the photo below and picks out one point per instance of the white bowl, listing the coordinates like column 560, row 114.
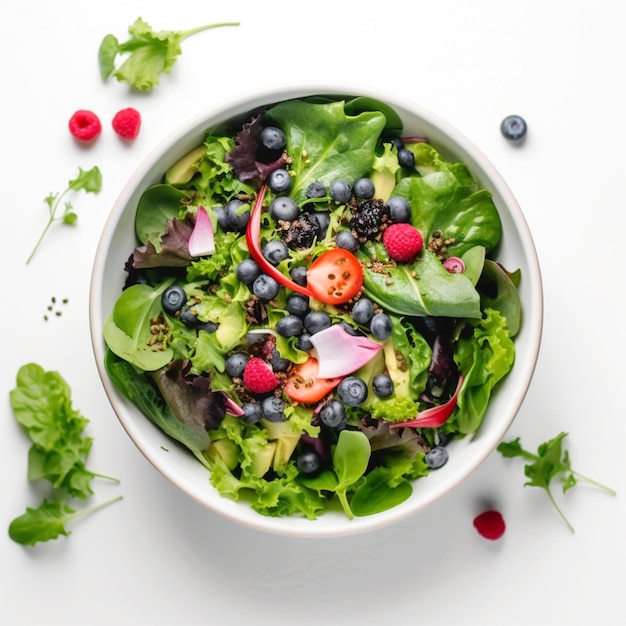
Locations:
column 516, row 251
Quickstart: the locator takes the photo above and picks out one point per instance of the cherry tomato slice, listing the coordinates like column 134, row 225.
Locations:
column 303, row 384
column 335, row 276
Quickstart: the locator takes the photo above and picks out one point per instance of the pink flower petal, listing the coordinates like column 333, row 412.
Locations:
column 339, row 353
column 201, row 241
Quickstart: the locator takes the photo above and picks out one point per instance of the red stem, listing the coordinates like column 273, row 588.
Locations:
column 253, row 234
column 435, row 417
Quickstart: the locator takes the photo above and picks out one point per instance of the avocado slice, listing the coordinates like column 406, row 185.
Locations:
column 227, row 450
column 262, row 460
column 183, row 170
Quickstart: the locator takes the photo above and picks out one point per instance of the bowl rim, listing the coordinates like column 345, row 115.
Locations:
column 465, row 150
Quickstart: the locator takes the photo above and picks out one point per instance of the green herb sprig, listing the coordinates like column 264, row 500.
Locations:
column 551, row 462
column 42, row 404
column 89, row 181
column 150, row 53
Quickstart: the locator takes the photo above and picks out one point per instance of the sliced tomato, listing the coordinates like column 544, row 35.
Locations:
column 335, row 276
column 304, row 385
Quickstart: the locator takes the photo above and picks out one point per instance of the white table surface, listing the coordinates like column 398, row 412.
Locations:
column 158, row 557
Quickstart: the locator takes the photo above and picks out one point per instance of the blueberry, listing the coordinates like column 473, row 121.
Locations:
column 406, row 158
column 265, row 287
column 333, row 415
column 252, row 412
column 297, row 304
column 275, row 251
column 340, row 191
column 188, row 317
column 323, row 219
column 513, row 127
column 279, row 181
column 315, row 321
column 364, row 188
column 308, row 462
column 315, row 190
column 284, row 208
column 209, row 327
column 304, row 342
column 399, row 209
column 289, row 326
column 298, row 275
column 273, row 409
column 436, row 457
column 222, row 220
column 173, row 299
column 382, row 385
column 278, row 363
column 346, row 240
column 351, row 330
column 273, row 142
column 237, row 214
column 352, row 391
column 235, row 364
column 380, row 326
column 397, row 142
column 363, row 311
column 248, row 271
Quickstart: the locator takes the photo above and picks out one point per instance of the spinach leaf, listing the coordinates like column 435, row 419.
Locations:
column 127, row 329
column 325, row 143
column 350, row 457
column 498, row 291
column 157, row 205
column 375, row 494
column 423, row 287
column 445, row 199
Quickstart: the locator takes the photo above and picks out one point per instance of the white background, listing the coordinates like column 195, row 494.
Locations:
column 157, row 557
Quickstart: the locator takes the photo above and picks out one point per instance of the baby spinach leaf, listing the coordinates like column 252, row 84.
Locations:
column 375, row 493
column 157, row 205
column 350, row 458
column 499, row 292
column 325, row 143
column 423, row 287
column 445, row 198
column 127, row 329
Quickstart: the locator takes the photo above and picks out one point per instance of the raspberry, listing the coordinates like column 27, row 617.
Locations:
column 258, row 376
column 490, row 524
column 85, row 125
column 126, row 123
column 402, row 241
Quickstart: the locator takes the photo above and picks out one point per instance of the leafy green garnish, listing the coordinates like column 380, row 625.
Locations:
column 48, row 521
column 89, row 181
column 42, row 404
column 150, row 53
column 550, row 462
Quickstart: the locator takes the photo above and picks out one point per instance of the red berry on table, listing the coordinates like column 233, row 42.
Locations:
column 490, row 524
column 258, row 376
column 126, row 123
column 403, row 242
column 85, row 125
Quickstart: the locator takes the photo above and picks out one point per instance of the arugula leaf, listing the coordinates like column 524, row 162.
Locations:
column 551, row 462
column 48, row 521
column 89, row 181
column 42, row 404
column 150, row 53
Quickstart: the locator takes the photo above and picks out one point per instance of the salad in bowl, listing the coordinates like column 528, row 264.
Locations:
column 312, row 304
